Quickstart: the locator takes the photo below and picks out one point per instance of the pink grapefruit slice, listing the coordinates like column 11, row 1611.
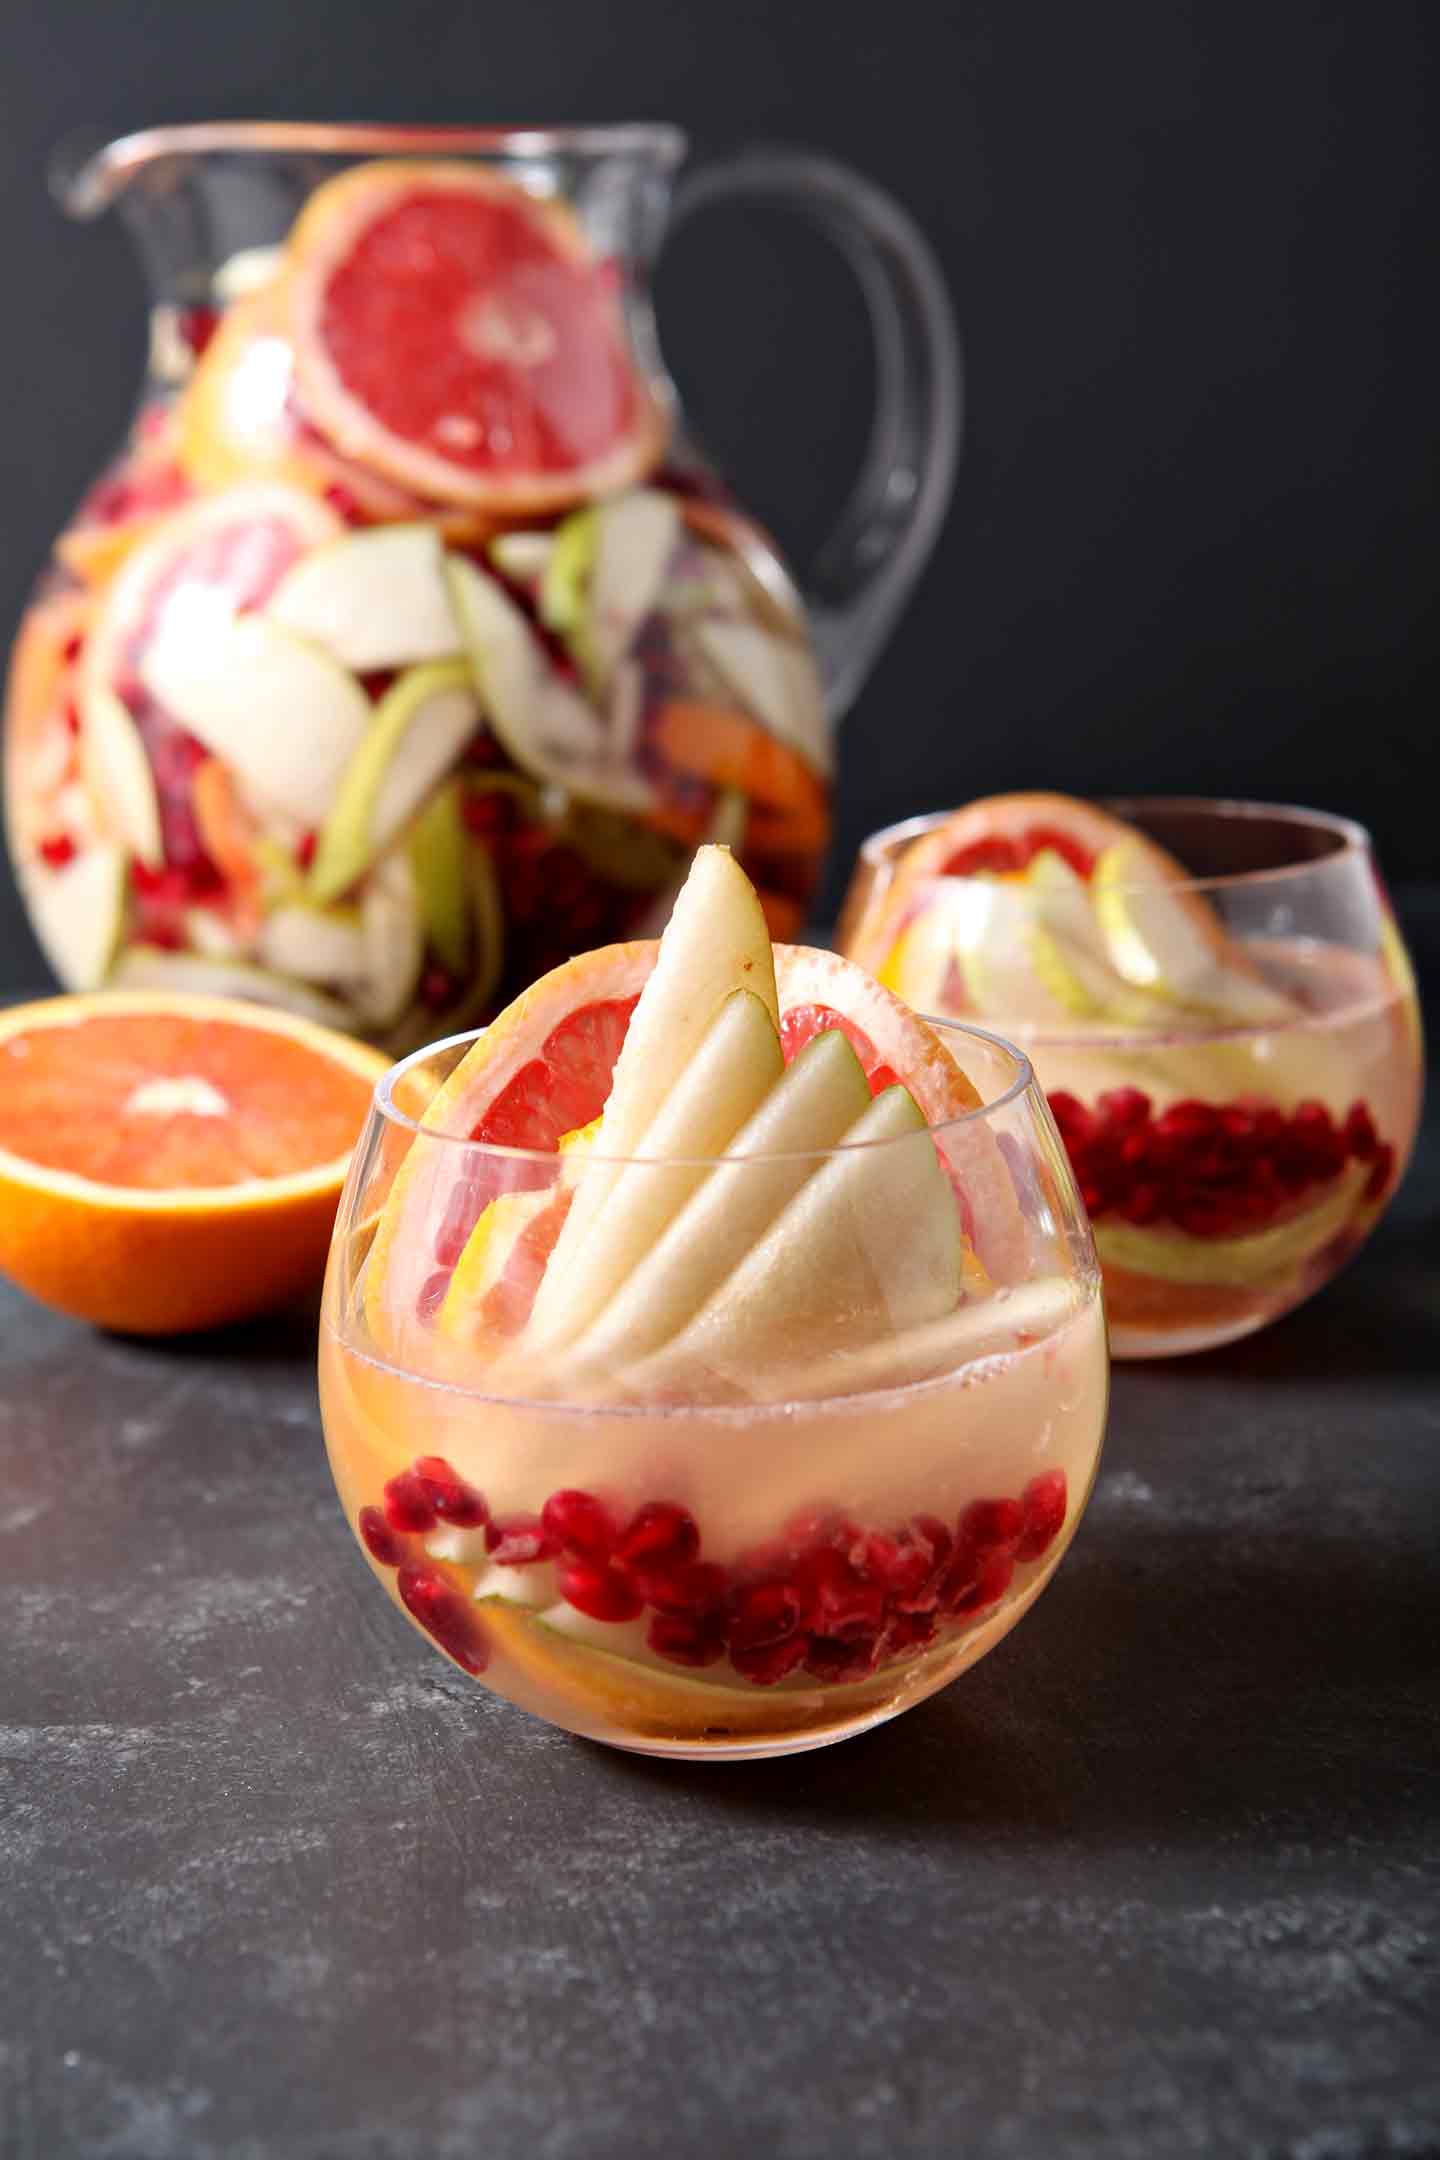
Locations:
column 458, row 336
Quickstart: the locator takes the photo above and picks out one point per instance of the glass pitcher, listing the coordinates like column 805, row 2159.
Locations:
column 409, row 645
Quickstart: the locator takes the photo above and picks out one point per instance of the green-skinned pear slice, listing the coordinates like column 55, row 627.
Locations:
column 438, row 858
column 1169, row 942
column 716, row 943
column 315, row 944
column 635, row 539
column 418, row 730
column 284, row 716
column 393, row 933
column 870, row 1247
column 567, row 568
column 775, row 679
column 148, row 967
column 822, row 1095
column 117, row 773
column 1257, row 1258
column 78, row 913
column 547, row 727
column 375, row 599
column 522, row 556
column 732, row 1070
column 1062, row 902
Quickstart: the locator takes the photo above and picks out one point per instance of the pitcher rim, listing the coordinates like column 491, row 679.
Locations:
column 86, row 179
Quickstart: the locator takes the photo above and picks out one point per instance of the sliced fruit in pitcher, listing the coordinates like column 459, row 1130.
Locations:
column 118, row 774
column 456, row 333
column 375, row 599
column 78, row 909
column 413, row 739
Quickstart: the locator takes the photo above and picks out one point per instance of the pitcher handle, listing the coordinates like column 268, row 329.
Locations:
column 862, row 575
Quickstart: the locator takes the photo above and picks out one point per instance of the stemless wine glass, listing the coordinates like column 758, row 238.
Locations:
column 1236, row 1137
column 751, row 1536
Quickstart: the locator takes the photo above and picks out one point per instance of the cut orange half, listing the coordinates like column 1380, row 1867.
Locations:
column 170, row 1163
column 457, row 335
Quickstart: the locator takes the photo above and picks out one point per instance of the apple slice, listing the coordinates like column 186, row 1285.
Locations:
column 831, row 1272
column 1256, row 1258
column 732, row 1070
column 437, row 857
column 636, row 535
column 375, row 599
column 1170, row 942
column 419, row 728
column 775, row 679
column 393, row 931
column 716, row 942
column 281, row 713
column 821, row 1096
column 117, row 773
column 148, row 967
column 78, row 913
column 315, row 944
column 545, row 725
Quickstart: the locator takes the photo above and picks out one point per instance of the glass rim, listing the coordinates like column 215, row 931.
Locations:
column 1021, row 1083
column 87, row 172
column 1351, row 838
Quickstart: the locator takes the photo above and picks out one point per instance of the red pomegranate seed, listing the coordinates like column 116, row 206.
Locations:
column 659, row 1539
column 305, row 848
column 519, row 1541
column 901, row 1564
column 57, row 849
column 580, row 1525
column 910, row 1631
column 762, row 1615
column 1381, row 1174
column 1045, row 1503
column 443, row 1613
column 1124, row 1108
column 408, row 1505
column 1359, row 1134
column 696, row 1590
column 989, row 1524
column 379, row 1540
column 770, row 1662
column 835, row 1661
column 685, row 1641
column 600, row 1592
column 835, row 1599
column 991, row 1582
column 453, row 1500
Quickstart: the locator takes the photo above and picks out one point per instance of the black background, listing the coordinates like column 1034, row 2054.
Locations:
column 1190, row 250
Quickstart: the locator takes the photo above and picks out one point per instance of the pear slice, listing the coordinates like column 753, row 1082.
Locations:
column 775, row 678
column 1170, row 943
column 437, row 857
column 821, row 1096
column 393, row 931
column 315, row 944
column 571, row 557
column 733, row 1069
column 283, row 715
column 375, row 599
column 1255, row 1258
column 635, row 538
column 1063, row 903
column 117, row 773
column 418, row 730
column 148, row 967
column 79, row 913
column 870, row 1247
column 545, row 725
column 522, row 556
column 716, row 942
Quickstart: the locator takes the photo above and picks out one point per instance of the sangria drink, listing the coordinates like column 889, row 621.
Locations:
column 1220, row 1008
column 407, row 648
column 712, row 1359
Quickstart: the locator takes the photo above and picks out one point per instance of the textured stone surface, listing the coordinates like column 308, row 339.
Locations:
column 1160, row 1877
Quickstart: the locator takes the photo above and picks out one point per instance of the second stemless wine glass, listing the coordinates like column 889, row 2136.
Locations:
column 1231, row 1156
column 786, row 1543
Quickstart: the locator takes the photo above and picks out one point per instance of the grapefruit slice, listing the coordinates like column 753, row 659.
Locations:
column 170, row 1163
column 458, row 336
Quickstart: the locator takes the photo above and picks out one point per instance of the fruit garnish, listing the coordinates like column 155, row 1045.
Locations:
column 375, row 599
column 516, row 391
column 171, row 1162
column 1171, row 942
column 417, row 732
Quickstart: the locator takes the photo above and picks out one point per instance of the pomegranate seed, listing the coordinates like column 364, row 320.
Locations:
column 453, row 1500
column 408, row 1505
column 57, row 849
column 1359, row 1134
column 696, row 1590
column 771, row 1662
column 990, row 1583
column 836, row 1600
column 519, row 1541
column 1380, row 1175
column 1124, row 1108
column 660, row 1539
column 685, row 1641
column 600, row 1592
column 989, row 1524
column 305, row 848
column 443, row 1613
column 901, row 1564
column 378, row 1538
column 911, row 1631
column 1044, row 1503
column 580, row 1525
column 835, row 1661
column 762, row 1615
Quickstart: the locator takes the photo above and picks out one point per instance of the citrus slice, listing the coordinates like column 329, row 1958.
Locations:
column 170, row 1163
column 458, row 336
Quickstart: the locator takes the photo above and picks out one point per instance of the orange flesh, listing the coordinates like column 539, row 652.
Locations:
column 64, row 1093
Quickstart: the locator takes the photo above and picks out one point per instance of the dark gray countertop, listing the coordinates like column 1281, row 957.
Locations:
column 1159, row 1877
